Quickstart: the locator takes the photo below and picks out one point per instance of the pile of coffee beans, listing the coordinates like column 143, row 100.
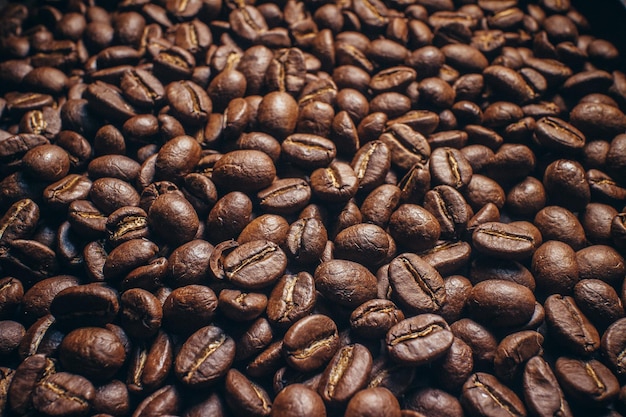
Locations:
column 361, row 208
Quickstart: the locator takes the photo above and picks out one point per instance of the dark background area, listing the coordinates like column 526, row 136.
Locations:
column 607, row 19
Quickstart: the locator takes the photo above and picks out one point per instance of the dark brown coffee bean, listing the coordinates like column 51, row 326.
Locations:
column 246, row 397
column 568, row 177
column 380, row 204
column 373, row 399
column 128, row 256
column 367, row 244
column 501, row 303
column 374, row 318
column 265, row 227
column 93, row 352
column 242, row 306
column 569, row 326
column 448, row 166
column 371, row 163
column 416, row 285
column 60, row 194
column 481, row 341
column 141, row 88
column 188, row 308
column 310, row 342
column 255, row 264
column 24, row 381
column 484, row 394
column 229, row 216
column 250, row 170
column 554, row 267
column 587, row 381
column 598, row 120
column 177, row 157
column 298, row 400
column 306, row 240
column 542, row 394
column 457, row 289
column 419, row 340
column 165, row 401
column 345, row 375
column 512, row 162
column 514, row 350
column 414, row 226
column 503, row 241
column 527, row 197
column 141, row 313
column 63, row 393
column 558, row 223
column 433, row 402
column 106, row 99
column 19, row 221
column 150, row 363
column 111, row 398
column 83, row 305
column 173, row 63
column 277, row 114
column 598, row 301
column 345, row 282
column 170, row 212
column 337, row 183
column 204, row 357
column 308, row 151
column 292, row 298
column 600, row 262
column 285, row 196
column 13, row 333
column 11, row 294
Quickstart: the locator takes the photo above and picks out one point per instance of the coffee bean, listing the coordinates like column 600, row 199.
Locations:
column 63, row 393
column 345, row 282
column 419, row 340
column 93, row 352
column 82, row 305
column 296, row 400
column 346, row 374
column 501, row 303
column 414, row 226
column 375, row 317
column 310, row 342
column 204, row 357
column 364, row 243
column 150, row 363
column 165, row 401
column 246, row 397
column 542, row 393
column 586, row 381
column 111, row 398
column 570, row 327
column 433, row 402
column 306, row 240
column 416, row 285
column 373, row 398
column 503, row 241
column 335, row 184
column 292, row 298
column 25, row 379
column 483, row 391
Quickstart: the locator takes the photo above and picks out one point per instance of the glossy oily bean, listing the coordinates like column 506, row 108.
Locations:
column 373, row 398
column 374, row 318
column 542, row 393
column 346, row 374
column 501, row 303
column 308, row 151
column 255, row 264
column 246, row 397
column 63, row 393
column 419, row 340
column 588, row 381
column 285, row 196
column 298, row 400
column 292, row 298
column 173, row 219
column 242, row 306
column 363, row 243
column 503, row 241
column 306, row 239
column 335, row 184
column 83, row 305
column 416, row 285
column 251, row 170
column 513, row 352
column 483, row 391
column 448, row 166
column 310, row 342
column 345, row 282
column 570, row 327
column 204, row 357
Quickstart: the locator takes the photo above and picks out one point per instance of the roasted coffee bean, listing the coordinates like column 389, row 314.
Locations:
column 285, row 196
column 503, row 241
column 19, row 221
column 297, row 400
column 419, row 340
column 265, row 227
column 242, row 306
column 165, row 401
column 415, row 227
column 249, row 169
column 586, row 381
column 255, row 264
column 150, row 363
column 483, row 391
column 246, row 397
column 501, row 303
column 335, row 184
column 306, row 239
column 374, row 318
column 613, row 345
column 367, row 244
column 345, row 282
column 308, row 151
column 371, row 163
column 82, row 305
column 11, row 294
column 25, row 379
column 60, row 194
column 292, row 298
column 229, row 216
column 373, row 398
column 598, row 301
column 600, row 262
column 170, row 212
column 63, row 393
column 310, row 342
column 416, row 285
column 188, row 308
column 569, row 326
column 345, row 375
column 542, row 394
column 111, row 398
column 433, row 402
column 124, row 224
column 204, row 357
column 380, row 203
column 93, row 352
column 514, row 350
